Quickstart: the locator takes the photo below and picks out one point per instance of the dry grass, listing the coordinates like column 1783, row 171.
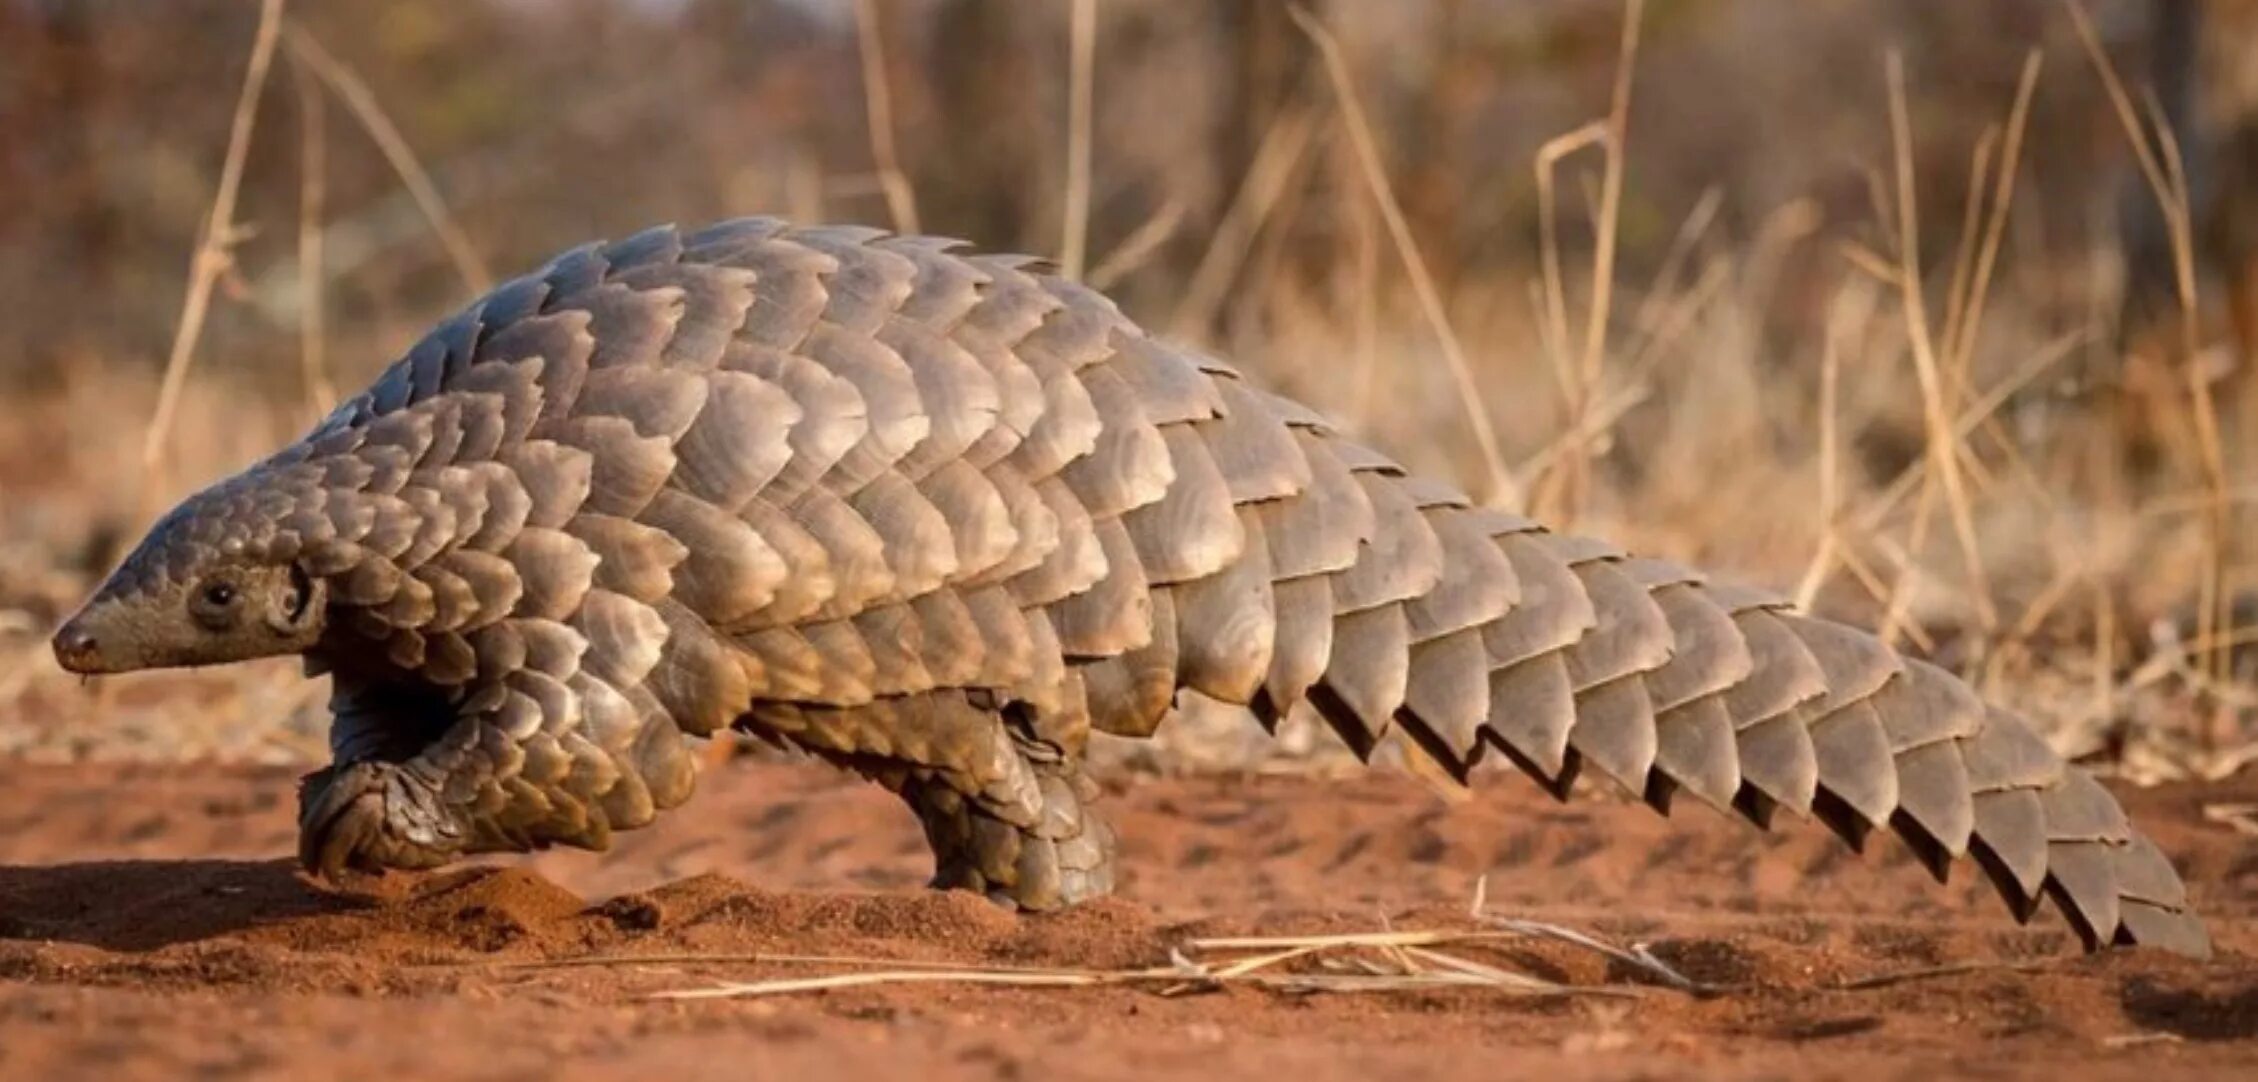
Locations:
column 1405, row 961
column 1893, row 463
column 212, row 257
column 878, row 112
column 1385, row 960
column 1074, row 245
column 1501, row 487
column 358, row 99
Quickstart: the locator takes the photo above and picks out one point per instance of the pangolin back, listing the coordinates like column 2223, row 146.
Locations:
column 841, row 487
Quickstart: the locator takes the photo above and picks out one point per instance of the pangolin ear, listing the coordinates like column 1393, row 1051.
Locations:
column 299, row 603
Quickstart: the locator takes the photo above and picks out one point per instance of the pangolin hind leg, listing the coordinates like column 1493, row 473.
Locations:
column 1062, row 855
column 1000, row 793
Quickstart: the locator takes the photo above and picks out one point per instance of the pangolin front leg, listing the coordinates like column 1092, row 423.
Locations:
column 533, row 754
column 369, row 816
column 379, row 803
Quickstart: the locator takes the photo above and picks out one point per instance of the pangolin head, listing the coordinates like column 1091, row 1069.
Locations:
column 208, row 585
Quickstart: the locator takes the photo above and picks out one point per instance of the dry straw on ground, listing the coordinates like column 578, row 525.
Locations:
column 1387, row 960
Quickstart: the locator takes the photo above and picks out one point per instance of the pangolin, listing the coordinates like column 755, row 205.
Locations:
column 935, row 516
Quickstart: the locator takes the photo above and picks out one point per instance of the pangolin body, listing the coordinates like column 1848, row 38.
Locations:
column 936, row 516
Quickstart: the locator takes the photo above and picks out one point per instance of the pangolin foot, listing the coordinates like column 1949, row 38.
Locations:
column 1064, row 856
column 369, row 816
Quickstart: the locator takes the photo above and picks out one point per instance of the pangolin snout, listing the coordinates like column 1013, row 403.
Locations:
column 76, row 648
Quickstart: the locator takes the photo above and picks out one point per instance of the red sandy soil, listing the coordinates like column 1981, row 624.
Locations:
column 150, row 928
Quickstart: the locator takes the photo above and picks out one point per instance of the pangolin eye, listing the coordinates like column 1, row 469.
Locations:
column 215, row 605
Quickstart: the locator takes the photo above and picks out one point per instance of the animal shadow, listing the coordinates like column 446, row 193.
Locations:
column 2193, row 1014
column 140, row 905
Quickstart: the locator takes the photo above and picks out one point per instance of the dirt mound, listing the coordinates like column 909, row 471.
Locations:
column 145, row 930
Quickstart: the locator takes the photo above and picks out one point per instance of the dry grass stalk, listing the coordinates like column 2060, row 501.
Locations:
column 1501, row 488
column 835, row 981
column 1555, row 323
column 1957, row 292
column 803, row 186
column 2120, row 1041
column 1268, row 266
column 1617, row 145
column 1276, row 159
column 2105, row 652
column 1636, row 956
column 1984, row 409
column 1139, row 247
column 1936, row 399
column 214, row 252
column 1868, row 261
column 1898, row 605
column 1962, row 346
column 1575, row 439
column 1082, row 62
column 1676, row 319
column 1358, row 962
column 598, row 961
column 313, row 179
column 1960, row 338
column 1967, row 297
column 1830, row 471
column 2167, row 183
column 359, row 100
column 1653, row 320
column 878, row 105
column 1386, row 960
column 2195, row 503
column 1565, row 485
column 2238, row 816
column 1364, row 307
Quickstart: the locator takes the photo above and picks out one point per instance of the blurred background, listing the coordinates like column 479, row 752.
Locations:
column 1939, row 317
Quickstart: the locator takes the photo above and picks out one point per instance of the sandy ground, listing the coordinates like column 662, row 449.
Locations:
column 150, row 929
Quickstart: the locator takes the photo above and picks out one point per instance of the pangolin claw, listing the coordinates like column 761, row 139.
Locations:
column 348, row 818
